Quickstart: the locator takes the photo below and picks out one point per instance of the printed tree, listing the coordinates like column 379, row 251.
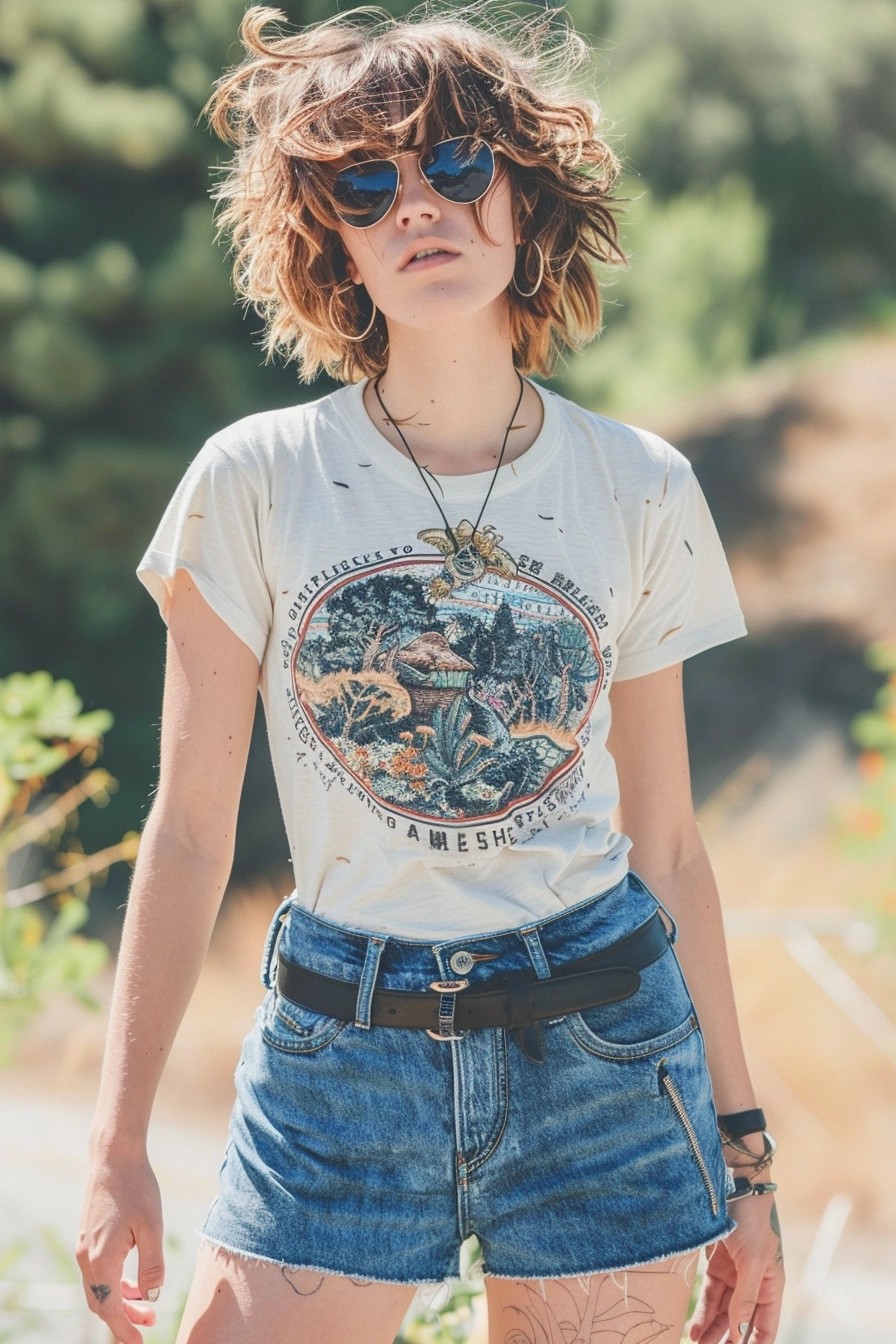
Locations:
column 371, row 618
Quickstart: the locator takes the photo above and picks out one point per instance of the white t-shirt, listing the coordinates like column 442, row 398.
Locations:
column 439, row 738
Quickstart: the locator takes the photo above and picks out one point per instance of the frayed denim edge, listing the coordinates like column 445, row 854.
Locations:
column 322, row 1269
column 483, row 1272
column 617, row 1269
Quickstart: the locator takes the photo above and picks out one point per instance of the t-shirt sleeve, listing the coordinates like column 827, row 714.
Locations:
column 211, row 529
column 685, row 600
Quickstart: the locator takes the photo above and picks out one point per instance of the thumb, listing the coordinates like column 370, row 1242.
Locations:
column 150, row 1265
column 740, row 1314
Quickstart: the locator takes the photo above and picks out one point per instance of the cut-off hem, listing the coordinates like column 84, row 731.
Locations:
column 618, row 1269
column 482, row 1273
column 254, row 1256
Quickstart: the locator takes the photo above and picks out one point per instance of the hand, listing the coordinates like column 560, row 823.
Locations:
column 122, row 1209
column 740, row 1299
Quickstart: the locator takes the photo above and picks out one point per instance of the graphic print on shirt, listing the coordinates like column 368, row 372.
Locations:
column 451, row 690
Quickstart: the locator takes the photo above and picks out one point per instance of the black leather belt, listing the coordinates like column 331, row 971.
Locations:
column 518, row 999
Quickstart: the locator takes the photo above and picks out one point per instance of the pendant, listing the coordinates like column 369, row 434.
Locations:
column 466, row 565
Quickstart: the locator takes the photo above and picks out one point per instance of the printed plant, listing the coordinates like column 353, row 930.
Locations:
column 454, row 753
column 42, row 729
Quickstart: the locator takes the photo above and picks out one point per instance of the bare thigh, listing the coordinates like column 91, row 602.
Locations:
column 647, row 1304
column 236, row 1301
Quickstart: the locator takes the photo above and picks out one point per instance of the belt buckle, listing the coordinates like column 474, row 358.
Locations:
column 447, row 989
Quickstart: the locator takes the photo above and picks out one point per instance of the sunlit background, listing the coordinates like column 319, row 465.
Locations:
column 755, row 328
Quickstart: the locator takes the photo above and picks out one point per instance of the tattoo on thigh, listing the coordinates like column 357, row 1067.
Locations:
column 581, row 1310
column 312, row 1281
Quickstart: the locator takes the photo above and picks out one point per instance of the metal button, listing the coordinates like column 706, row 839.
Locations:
column 461, row 962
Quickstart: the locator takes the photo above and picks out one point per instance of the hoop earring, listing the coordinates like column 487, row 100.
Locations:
column 367, row 330
column 528, row 294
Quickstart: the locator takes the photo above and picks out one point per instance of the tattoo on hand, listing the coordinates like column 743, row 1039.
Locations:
column 100, row 1291
column 776, row 1228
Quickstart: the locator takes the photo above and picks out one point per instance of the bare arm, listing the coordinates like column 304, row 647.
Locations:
column 744, row 1279
column 649, row 745
column 211, row 681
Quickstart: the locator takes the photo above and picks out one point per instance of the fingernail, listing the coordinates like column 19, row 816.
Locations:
column 152, row 1294
column 743, row 1328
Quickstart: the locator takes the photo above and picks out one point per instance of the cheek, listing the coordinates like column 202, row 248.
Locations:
column 498, row 215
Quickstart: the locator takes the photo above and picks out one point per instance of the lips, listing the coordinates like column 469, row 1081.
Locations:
column 437, row 249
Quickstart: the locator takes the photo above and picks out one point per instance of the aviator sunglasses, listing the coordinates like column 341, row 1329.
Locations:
column 460, row 170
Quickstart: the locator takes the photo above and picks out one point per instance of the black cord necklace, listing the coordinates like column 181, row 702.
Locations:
column 467, row 563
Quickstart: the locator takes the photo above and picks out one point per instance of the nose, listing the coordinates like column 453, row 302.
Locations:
column 416, row 198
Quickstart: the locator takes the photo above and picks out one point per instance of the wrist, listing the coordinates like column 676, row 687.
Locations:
column 109, row 1143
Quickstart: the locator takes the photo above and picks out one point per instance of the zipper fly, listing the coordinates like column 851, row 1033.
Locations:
column 675, row 1097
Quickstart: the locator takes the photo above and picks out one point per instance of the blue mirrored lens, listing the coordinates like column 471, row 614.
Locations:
column 364, row 192
column 460, row 170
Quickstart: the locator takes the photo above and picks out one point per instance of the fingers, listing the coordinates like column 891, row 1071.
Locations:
column 150, row 1264
column 710, row 1318
column 118, row 1302
column 105, row 1297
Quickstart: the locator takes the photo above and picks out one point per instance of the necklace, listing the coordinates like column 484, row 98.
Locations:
column 466, row 562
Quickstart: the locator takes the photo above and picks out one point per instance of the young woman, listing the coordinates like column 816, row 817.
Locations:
column 442, row 578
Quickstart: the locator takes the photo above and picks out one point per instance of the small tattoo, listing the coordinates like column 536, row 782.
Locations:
column 301, row 1291
column 100, row 1291
column 776, row 1225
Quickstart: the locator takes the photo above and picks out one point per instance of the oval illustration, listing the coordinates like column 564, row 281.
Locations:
column 456, row 706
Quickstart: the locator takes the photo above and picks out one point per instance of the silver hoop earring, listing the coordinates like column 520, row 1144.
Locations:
column 367, row 330
column 528, row 293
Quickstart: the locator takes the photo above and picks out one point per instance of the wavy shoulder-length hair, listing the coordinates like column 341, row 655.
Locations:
column 363, row 84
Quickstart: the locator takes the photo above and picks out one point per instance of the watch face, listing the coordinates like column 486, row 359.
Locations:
column 466, row 564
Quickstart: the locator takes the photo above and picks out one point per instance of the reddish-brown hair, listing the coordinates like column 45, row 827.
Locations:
column 365, row 83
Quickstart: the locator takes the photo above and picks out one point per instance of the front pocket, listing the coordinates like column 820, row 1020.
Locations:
column 295, row 1029
column 586, row 1037
column 668, row 1087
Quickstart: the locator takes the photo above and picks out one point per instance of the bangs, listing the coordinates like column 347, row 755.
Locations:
column 395, row 93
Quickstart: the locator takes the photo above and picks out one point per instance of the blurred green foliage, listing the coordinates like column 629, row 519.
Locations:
column 760, row 144
column 42, row 951
column 865, row 826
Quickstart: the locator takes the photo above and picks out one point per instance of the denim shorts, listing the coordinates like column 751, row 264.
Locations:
column 375, row 1152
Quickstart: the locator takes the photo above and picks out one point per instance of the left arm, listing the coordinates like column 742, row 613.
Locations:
column 648, row 742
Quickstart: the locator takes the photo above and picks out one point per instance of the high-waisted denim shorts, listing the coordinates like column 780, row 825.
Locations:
column 374, row 1152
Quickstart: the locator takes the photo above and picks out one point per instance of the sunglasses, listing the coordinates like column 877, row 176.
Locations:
column 460, row 170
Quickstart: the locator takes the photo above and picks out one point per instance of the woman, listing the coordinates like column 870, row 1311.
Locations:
column 442, row 578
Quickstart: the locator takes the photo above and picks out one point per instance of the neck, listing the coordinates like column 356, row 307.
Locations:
column 453, row 393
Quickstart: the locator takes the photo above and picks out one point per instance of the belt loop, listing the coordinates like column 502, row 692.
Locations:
column 673, row 934
column 536, row 953
column 368, row 980
column 268, row 970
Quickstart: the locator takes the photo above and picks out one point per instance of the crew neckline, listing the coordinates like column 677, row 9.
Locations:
column 350, row 400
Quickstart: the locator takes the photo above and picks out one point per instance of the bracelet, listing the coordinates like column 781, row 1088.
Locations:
column 755, row 1163
column 739, row 1123
column 740, row 1188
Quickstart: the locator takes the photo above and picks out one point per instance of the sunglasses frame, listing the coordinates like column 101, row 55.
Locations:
column 393, row 159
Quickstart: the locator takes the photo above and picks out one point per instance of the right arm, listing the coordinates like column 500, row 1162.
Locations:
column 186, row 853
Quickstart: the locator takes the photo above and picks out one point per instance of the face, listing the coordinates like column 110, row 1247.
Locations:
column 469, row 274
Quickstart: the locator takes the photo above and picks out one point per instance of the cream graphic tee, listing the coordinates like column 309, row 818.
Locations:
column 438, row 721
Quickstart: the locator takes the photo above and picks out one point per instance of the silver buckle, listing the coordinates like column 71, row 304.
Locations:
column 447, row 989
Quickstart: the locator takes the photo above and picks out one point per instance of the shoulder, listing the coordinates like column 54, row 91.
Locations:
column 632, row 456
column 256, row 441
